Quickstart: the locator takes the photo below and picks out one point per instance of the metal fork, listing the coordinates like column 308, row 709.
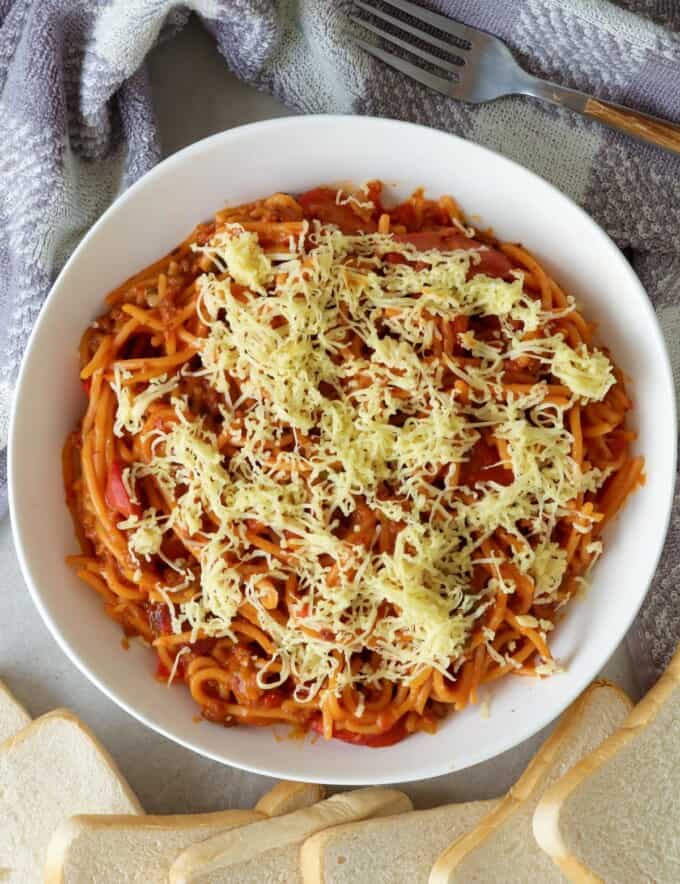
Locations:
column 477, row 67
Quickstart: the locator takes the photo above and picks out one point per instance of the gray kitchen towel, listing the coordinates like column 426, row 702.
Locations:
column 77, row 127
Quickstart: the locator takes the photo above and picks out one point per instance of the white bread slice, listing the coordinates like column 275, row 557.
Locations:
column 287, row 797
column 49, row 771
column 502, row 846
column 391, row 850
column 13, row 716
column 616, row 815
column 269, row 851
column 111, row 849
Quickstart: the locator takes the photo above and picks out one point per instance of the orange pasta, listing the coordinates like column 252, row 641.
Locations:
column 229, row 522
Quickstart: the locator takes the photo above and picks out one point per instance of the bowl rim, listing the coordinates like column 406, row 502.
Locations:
column 425, row 770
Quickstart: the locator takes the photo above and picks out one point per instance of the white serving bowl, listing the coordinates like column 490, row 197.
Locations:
column 294, row 154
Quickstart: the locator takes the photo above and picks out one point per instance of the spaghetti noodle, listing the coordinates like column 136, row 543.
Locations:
column 342, row 465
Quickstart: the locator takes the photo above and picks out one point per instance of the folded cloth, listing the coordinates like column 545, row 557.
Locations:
column 78, row 127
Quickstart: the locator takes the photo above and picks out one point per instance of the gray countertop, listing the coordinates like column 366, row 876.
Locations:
column 195, row 97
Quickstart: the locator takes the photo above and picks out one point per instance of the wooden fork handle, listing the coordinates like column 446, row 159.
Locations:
column 647, row 128
column 643, row 126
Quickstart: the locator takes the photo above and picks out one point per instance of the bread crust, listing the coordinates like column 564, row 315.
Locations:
column 66, row 715
column 227, row 851
column 546, row 821
column 70, row 829
column 10, row 701
column 105, row 760
column 288, row 796
column 313, row 852
column 523, row 789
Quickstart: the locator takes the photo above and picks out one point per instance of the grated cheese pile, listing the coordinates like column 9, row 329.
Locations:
column 375, row 429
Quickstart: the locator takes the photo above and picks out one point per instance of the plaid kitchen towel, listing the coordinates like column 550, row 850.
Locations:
column 77, row 127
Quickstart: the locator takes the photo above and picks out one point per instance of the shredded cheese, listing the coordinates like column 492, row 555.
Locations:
column 131, row 409
column 146, row 534
column 344, row 199
column 379, row 418
column 588, row 374
column 175, row 664
column 238, row 252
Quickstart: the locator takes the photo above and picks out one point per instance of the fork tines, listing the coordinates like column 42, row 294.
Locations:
column 462, row 33
column 455, row 52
